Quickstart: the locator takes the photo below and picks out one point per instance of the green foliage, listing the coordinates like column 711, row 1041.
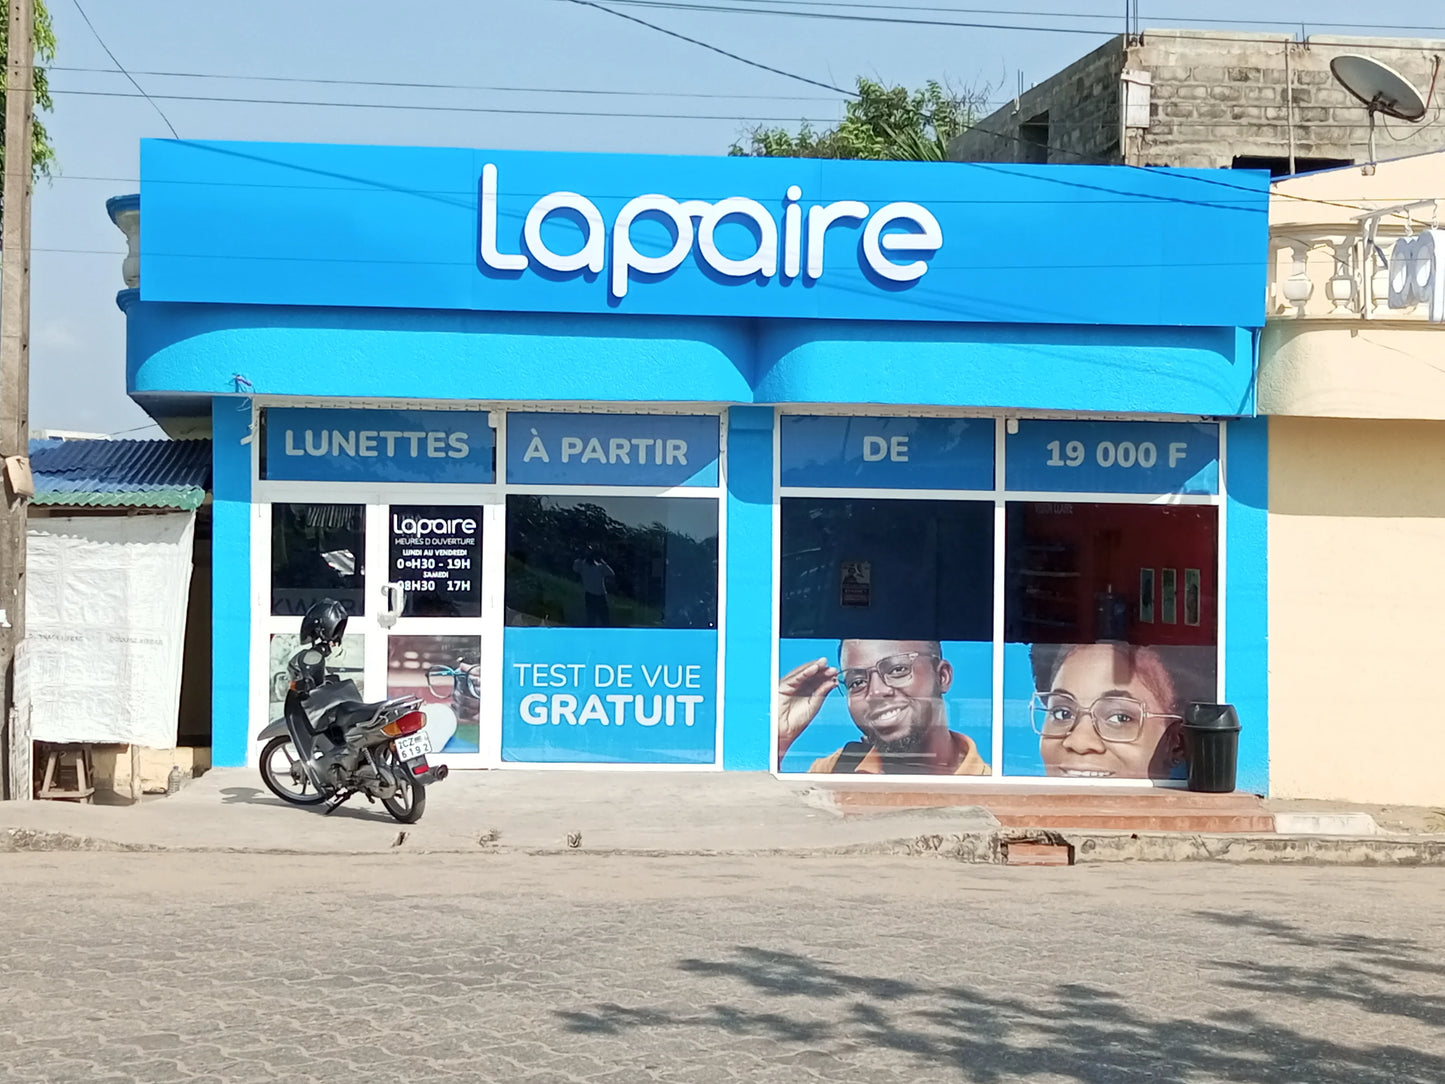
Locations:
column 42, row 153
column 881, row 124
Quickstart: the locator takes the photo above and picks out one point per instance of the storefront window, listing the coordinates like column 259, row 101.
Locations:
column 886, row 624
column 612, row 562
column 318, row 551
column 1111, row 630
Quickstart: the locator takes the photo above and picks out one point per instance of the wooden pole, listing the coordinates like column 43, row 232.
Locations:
column 15, row 391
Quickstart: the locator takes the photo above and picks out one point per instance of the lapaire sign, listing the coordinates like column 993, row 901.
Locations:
column 512, row 232
column 897, row 229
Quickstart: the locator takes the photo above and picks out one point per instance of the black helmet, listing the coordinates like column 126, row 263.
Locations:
column 324, row 623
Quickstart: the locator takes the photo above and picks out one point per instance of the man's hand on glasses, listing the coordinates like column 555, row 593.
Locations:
column 800, row 697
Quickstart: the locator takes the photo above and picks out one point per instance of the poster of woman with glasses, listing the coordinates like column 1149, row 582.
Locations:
column 1115, row 710
column 442, row 670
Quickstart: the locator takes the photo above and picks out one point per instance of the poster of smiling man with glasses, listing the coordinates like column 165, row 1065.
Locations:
column 895, row 692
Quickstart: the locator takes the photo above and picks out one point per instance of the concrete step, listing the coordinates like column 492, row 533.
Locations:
column 1024, row 806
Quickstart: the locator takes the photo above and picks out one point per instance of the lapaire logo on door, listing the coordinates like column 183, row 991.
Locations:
column 896, row 237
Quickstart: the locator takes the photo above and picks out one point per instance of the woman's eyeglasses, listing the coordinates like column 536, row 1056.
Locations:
column 1116, row 718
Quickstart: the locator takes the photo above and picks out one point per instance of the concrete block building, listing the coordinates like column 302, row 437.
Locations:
column 1210, row 99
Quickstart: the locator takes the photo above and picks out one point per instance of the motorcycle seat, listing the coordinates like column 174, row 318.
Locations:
column 352, row 712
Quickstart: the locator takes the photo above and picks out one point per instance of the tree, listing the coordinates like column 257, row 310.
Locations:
column 42, row 154
column 881, row 124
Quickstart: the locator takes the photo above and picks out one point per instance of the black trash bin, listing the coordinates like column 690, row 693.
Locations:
column 1211, row 736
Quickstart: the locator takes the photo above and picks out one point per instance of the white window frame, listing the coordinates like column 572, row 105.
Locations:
column 1000, row 496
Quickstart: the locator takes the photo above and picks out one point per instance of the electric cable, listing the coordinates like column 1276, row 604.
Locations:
column 121, row 68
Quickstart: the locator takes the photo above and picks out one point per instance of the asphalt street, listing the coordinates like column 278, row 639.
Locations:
column 161, row 968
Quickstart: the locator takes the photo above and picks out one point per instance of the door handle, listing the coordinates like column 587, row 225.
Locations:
column 393, row 597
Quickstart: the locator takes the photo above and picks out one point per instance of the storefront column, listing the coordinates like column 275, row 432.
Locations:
column 748, row 684
column 1246, row 643
column 231, row 592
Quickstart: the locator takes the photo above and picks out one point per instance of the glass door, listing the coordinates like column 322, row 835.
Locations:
column 434, row 609
column 421, row 607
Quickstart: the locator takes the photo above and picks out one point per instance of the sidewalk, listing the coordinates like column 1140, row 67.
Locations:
column 655, row 813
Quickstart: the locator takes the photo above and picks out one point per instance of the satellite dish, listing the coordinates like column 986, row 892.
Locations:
column 1381, row 88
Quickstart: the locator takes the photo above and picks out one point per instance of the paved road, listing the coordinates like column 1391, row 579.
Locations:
column 163, row 968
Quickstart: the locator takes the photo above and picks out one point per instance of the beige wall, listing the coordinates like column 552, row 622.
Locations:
column 1322, row 369
column 1357, row 609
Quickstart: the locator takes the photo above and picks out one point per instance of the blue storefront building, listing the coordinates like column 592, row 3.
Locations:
column 725, row 463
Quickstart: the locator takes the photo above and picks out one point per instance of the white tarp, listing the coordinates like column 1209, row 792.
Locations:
column 106, row 621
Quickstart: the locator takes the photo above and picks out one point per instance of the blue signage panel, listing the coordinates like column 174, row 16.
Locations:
column 887, row 453
column 1113, row 457
column 317, row 444
column 522, row 231
column 609, row 696
column 613, row 449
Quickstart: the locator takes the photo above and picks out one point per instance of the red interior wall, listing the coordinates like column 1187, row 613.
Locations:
column 1112, row 542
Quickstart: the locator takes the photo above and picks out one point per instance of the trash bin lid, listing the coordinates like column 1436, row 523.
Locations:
column 1200, row 716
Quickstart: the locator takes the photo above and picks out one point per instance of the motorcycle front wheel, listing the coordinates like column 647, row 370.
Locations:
column 409, row 802
column 284, row 774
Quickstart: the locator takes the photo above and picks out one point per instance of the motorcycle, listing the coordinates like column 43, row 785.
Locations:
column 329, row 745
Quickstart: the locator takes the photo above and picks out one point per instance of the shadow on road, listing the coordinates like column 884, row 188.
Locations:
column 246, row 796
column 257, row 796
column 1082, row 1032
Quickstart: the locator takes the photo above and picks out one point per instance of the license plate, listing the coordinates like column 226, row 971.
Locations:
column 412, row 746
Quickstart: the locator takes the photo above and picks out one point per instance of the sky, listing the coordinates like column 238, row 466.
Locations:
column 499, row 70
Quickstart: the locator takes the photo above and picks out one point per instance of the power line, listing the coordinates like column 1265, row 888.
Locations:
column 677, row 5
column 404, row 85
column 446, row 108
column 121, row 68
column 1110, row 15
column 711, row 48
column 725, row 8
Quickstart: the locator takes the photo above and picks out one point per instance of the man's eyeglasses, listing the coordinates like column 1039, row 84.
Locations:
column 1116, row 718
column 443, row 680
column 896, row 671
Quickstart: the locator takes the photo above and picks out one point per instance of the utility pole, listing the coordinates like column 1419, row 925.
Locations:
column 15, row 394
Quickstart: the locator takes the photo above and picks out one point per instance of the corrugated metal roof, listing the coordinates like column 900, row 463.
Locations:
column 121, row 473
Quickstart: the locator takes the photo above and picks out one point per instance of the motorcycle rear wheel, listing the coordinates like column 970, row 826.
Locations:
column 409, row 802
column 291, row 784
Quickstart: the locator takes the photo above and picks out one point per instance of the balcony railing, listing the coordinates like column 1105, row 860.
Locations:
column 1344, row 271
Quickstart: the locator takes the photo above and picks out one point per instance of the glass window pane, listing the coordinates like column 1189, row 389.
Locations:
column 435, row 553
column 1104, row 651
column 345, row 662
column 887, row 636
column 317, row 551
column 443, row 672
column 615, row 562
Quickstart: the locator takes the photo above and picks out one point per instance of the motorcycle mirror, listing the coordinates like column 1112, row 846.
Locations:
column 311, row 658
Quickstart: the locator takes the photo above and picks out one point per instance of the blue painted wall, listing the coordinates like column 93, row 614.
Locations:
column 748, row 656
column 231, row 581
column 178, row 352
column 1246, row 637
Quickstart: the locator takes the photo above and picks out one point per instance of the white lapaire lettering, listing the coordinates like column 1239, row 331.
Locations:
column 926, row 236
column 416, row 525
